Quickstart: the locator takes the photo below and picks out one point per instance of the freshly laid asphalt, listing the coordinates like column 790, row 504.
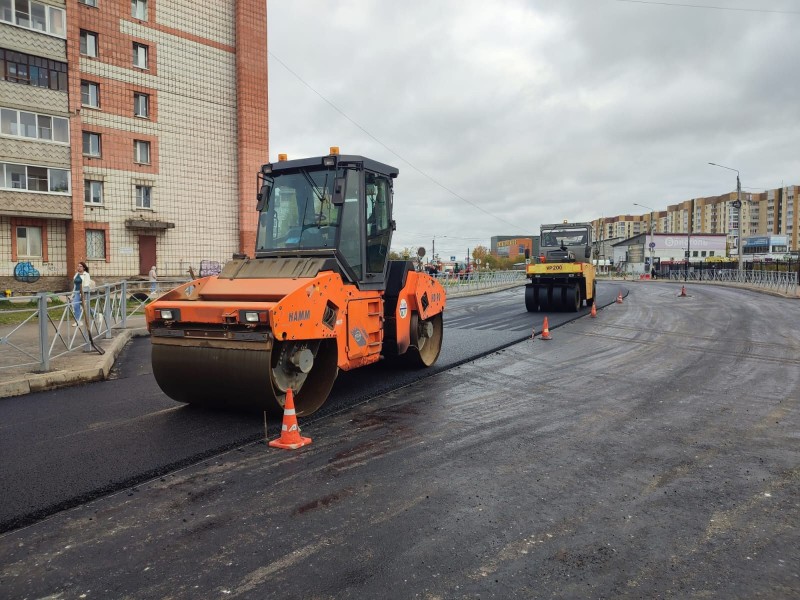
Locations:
column 106, row 437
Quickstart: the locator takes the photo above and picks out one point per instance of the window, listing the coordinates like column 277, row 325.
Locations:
column 139, row 55
column 92, row 191
column 61, row 130
column 143, row 196
column 33, row 70
column 95, row 244
column 37, row 179
column 379, row 195
column 34, row 179
column 44, row 127
column 91, row 143
column 29, row 242
column 33, row 15
column 16, row 177
column 139, row 9
column 57, row 21
column 89, row 2
column 711, row 253
column 27, row 122
column 9, row 121
column 22, row 16
column 141, row 105
column 59, row 180
column 88, row 43
column 141, row 152
column 38, row 16
column 90, row 94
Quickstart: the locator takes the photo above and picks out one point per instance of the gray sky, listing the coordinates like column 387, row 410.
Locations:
column 505, row 114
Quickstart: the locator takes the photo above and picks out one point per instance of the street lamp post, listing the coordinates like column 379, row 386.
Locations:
column 738, row 206
column 652, row 244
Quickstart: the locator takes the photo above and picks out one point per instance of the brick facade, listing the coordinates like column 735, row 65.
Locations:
column 206, row 124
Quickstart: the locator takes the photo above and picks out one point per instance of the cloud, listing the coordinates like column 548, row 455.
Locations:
column 536, row 112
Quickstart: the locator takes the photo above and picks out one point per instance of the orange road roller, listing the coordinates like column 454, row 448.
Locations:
column 319, row 294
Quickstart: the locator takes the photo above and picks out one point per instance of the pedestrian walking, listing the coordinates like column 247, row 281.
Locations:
column 81, row 282
column 153, row 276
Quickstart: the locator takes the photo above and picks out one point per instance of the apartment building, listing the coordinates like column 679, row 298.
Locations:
column 619, row 227
column 777, row 214
column 132, row 132
column 770, row 213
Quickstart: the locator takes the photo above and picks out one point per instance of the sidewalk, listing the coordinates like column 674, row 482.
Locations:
column 73, row 368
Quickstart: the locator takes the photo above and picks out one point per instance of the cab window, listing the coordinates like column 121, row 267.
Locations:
column 351, row 236
column 378, row 219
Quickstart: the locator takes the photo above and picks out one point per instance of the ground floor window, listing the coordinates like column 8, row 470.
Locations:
column 95, row 244
column 29, row 241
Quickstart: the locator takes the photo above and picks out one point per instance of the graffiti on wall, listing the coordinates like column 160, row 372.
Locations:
column 209, row 267
column 26, row 273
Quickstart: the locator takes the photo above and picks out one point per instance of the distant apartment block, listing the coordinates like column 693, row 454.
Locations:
column 131, row 133
column 773, row 212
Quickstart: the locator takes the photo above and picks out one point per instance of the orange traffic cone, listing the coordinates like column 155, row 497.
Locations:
column 546, row 330
column 594, row 310
column 619, row 298
column 683, row 292
column 290, row 432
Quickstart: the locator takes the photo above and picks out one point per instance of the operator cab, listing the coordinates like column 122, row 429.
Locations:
column 336, row 206
column 566, row 242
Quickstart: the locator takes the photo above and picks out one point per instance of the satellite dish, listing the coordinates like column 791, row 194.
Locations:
column 420, row 251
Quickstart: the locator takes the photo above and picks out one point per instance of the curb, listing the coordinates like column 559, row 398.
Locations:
column 39, row 382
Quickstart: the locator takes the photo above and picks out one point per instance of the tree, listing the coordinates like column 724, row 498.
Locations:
column 403, row 254
column 480, row 253
column 497, row 263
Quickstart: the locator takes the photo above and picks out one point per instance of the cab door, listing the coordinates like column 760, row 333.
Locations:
column 378, row 218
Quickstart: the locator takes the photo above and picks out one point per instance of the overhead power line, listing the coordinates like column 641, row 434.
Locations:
column 709, row 7
column 405, row 160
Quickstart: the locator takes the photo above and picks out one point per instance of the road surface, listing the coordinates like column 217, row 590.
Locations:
column 651, row 452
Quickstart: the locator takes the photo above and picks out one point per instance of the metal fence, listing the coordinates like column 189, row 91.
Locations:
column 792, row 265
column 780, row 281
column 474, row 281
column 44, row 327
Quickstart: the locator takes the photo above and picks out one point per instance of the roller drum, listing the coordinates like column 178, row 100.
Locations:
column 236, row 378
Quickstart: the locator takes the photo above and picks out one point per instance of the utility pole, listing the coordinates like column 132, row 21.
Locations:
column 738, row 206
column 689, row 242
column 741, row 223
column 652, row 243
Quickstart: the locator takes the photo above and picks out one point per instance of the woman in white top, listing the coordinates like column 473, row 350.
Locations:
column 153, row 276
column 81, row 283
